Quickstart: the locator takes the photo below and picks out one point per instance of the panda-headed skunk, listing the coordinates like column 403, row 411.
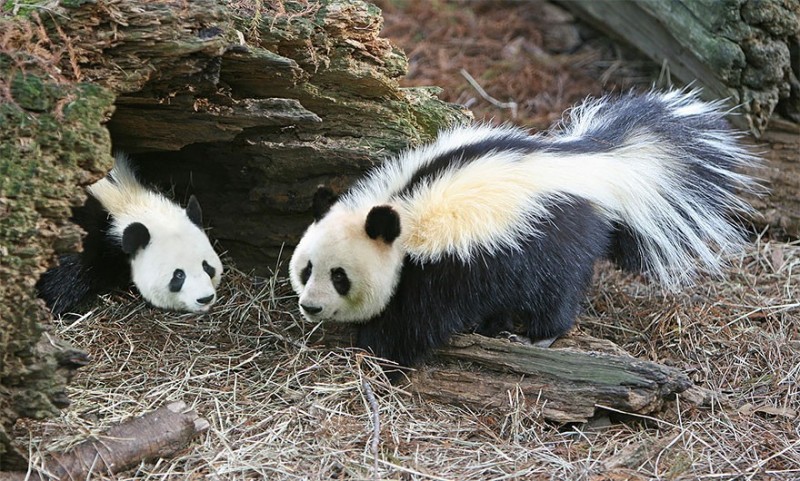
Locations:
column 488, row 227
column 136, row 234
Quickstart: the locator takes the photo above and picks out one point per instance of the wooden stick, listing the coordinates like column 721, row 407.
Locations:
column 157, row 434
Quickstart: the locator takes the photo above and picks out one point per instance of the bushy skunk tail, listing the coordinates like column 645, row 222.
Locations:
column 665, row 169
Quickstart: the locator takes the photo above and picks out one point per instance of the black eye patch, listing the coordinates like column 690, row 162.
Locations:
column 340, row 281
column 305, row 274
column 209, row 270
column 176, row 283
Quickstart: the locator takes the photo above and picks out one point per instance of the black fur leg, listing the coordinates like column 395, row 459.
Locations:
column 493, row 326
column 64, row 286
column 100, row 268
column 406, row 346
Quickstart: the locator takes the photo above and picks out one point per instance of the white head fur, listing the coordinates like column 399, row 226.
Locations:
column 172, row 262
column 347, row 265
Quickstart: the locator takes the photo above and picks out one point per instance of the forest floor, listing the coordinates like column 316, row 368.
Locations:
column 281, row 407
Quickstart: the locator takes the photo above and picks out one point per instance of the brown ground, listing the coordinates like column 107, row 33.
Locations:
column 530, row 55
column 280, row 408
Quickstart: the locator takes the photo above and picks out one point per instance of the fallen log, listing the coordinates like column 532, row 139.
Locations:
column 568, row 382
column 565, row 384
column 157, row 434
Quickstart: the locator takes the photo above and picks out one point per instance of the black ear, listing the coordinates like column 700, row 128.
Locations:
column 324, row 198
column 194, row 212
column 383, row 221
column 134, row 237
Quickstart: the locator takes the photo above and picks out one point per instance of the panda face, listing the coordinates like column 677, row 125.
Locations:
column 172, row 262
column 340, row 272
column 177, row 270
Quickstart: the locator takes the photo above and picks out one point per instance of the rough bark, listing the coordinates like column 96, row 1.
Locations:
column 53, row 144
column 247, row 109
column 735, row 49
column 157, row 434
column 779, row 208
column 568, row 382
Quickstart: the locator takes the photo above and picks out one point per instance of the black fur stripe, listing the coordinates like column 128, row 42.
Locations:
column 465, row 154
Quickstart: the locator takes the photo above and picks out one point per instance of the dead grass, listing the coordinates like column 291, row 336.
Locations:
column 283, row 408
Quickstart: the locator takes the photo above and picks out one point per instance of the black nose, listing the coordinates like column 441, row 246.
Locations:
column 205, row 300
column 311, row 309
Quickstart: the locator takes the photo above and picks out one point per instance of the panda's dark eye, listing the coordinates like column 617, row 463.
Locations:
column 340, row 281
column 305, row 274
column 209, row 270
column 176, row 283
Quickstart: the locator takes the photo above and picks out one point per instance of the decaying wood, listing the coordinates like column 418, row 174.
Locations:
column 779, row 208
column 157, row 434
column 568, row 385
column 568, row 382
column 733, row 49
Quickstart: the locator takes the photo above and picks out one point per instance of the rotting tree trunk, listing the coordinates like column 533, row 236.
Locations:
column 745, row 51
column 53, row 144
column 248, row 109
column 568, row 382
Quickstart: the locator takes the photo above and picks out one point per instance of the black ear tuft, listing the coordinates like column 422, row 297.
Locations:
column 194, row 211
column 134, row 237
column 324, row 198
column 383, row 221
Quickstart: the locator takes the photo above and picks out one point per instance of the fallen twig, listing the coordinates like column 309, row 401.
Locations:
column 503, row 105
column 376, row 421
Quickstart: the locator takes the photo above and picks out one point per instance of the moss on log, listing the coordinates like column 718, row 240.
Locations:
column 54, row 144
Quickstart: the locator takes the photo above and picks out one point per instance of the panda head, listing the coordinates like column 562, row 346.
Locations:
column 347, row 265
column 172, row 262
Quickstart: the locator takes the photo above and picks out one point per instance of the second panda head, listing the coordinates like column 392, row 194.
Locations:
column 347, row 265
column 172, row 261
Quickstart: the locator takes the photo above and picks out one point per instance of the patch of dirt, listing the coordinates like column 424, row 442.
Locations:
column 534, row 57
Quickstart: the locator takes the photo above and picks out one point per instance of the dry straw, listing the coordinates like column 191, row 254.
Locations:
column 280, row 408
